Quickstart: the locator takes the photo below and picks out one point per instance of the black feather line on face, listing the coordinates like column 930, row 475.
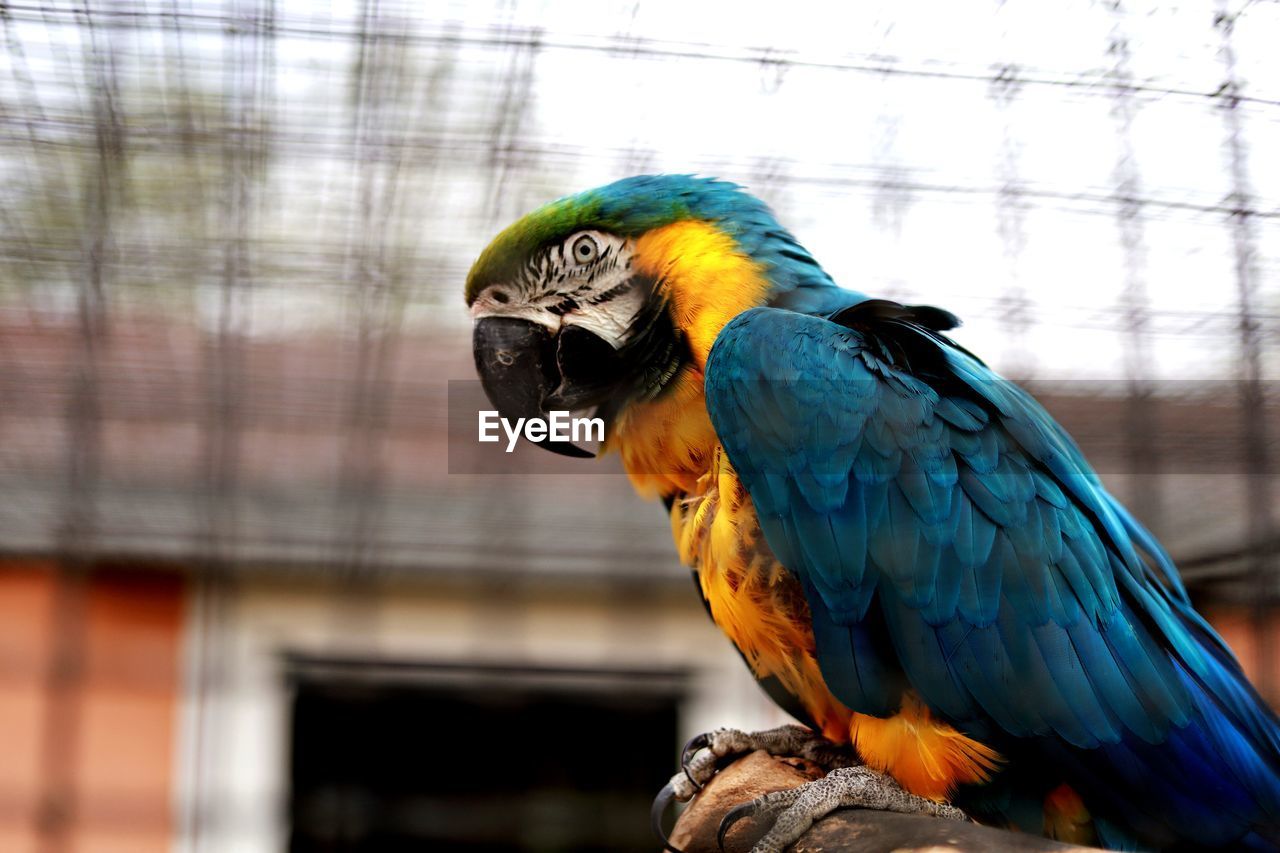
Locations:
column 613, row 292
column 564, row 306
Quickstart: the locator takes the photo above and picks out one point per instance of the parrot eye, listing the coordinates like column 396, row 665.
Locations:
column 584, row 249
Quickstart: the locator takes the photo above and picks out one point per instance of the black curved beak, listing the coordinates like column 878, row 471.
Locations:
column 518, row 367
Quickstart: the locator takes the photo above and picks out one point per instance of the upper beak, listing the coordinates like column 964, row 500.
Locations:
column 518, row 368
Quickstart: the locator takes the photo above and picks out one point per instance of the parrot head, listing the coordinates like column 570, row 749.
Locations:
column 609, row 298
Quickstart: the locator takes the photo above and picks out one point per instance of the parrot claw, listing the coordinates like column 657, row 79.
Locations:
column 682, row 788
column 797, row 809
column 721, row 744
column 656, row 812
column 702, row 755
column 735, row 814
column 691, row 748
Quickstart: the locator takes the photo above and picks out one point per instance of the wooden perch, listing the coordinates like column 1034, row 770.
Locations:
column 843, row 831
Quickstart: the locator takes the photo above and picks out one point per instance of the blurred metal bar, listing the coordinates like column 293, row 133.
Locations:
column 57, row 816
column 59, row 798
column 1141, row 420
column 1016, row 311
column 1257, row 463
column 379, row 74
column 242, row 163
column 504, row 148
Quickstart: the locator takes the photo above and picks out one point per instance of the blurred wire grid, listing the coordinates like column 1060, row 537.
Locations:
column 233, row 236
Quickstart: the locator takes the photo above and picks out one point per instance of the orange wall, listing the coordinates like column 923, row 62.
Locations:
column 87, row 746
column 1237, row 626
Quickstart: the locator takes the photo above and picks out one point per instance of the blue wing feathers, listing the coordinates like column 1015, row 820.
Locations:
column 1101, row 724
column 950, row 536
column 974, row 536
column 858, row 660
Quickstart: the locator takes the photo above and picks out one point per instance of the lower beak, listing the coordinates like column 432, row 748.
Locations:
column 516, row 360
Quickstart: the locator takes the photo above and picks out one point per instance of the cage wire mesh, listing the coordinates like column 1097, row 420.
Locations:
column 233, row 237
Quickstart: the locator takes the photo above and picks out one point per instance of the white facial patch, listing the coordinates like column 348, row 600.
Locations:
column 585, row 281
column 611, row 320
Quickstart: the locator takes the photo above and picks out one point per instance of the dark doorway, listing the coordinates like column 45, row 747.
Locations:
column 397, row 758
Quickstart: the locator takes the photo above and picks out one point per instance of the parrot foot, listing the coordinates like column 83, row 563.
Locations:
column 796, row 809
column 703, row 755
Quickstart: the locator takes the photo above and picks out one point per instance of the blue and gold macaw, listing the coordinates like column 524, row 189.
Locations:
column 908, row 551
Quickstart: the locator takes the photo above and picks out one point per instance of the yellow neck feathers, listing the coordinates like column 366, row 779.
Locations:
column 705, row 276
column 668, row 443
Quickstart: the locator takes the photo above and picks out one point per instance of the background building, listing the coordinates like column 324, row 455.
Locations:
column 257, row 590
